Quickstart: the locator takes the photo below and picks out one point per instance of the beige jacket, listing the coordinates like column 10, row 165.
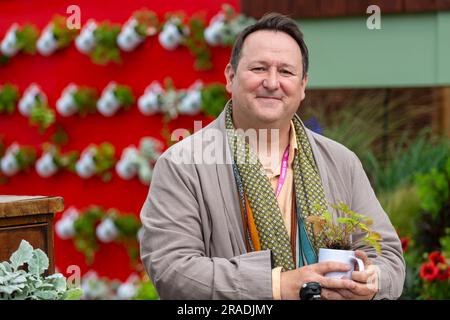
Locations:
column 193, row 244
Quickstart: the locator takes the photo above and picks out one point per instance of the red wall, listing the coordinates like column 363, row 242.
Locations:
column 139, row 68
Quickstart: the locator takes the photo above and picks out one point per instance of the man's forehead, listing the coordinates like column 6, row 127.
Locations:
column 261, row 44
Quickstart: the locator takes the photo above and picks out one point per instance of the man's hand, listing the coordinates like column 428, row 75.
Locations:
column 366, row 283
column 291, row 281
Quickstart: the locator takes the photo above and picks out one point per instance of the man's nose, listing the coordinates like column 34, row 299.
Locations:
column 271, row 82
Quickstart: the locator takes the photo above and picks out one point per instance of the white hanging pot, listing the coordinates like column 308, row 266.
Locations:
column 47, row 43
column 108, row 104
column 45, row 166
column 85, row 41
column 8, row 46
column 9, row 164
column 64, row 227
column 191, row 103
column 66, row 105
column 150, row 148
column 128, row 39
column 107, row 231
column 148, row 103
column 170, row 37
column 213, row 33
column 85, row 167
column 29, row 99
column 145, row 173
column 126, row 169
column 126, row 291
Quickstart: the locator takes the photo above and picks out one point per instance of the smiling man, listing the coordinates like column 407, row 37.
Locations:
column 235, row 228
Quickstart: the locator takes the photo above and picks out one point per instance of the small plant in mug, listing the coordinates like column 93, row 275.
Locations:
column 224, row 27
column 55, row 36
column 337, row 234
column 18, row 38
column 75, row 99
column 113, row 97
column 17, row 158
column 142, row 24
column 51, row 161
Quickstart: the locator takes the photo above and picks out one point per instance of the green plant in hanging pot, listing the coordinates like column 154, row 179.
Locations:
column 18, row 283
column 9, row 96
column 224, row 27
column 75, row 99
column 337, row 236
column 56, row 35
column 33, row 104
column 17, row 158
column 52, row 161
column 100, row 42
column 114, row 97
column 120, row 228
column 18, row 38
column 143, row 23
column 96, row 160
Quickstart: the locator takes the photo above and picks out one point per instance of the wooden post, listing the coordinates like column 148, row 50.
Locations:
column 444, row 111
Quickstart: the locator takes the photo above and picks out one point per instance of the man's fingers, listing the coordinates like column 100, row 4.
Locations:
column 331, row 295
column 347, row 294
column 331, row 266
column 332, row 283
column 360, row 276
column 363, row 256
column 362, row 290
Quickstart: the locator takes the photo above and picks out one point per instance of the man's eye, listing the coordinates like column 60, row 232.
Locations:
column 258, row 69
column 286, row 72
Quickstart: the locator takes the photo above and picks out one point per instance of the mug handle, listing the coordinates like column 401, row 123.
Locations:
column 360, row 263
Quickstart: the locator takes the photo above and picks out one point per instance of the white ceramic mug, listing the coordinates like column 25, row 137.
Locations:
column 342, row 256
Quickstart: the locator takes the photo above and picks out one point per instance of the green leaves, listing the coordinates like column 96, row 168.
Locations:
column 42, row 116
column 22, row 255
column 104, row 160
column 433, row 188
column 86, row 99
column 25, row 157
column 124, row 95
column 214, row 98
column 197, row 45
column 18, row 284
column 85, row 238
column 8, row 98
column 62, row 34
column 38, row 262
column 27, row 36
column 106, row 48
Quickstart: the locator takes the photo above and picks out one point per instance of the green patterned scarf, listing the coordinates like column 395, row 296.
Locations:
column 261, row 197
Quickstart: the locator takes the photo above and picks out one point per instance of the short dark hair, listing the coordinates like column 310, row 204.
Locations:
column 276, row 22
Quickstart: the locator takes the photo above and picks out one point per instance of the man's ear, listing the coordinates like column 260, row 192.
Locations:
column 303, row 87
column 229, row 76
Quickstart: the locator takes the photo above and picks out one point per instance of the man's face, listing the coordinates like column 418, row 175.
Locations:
column 267, row 86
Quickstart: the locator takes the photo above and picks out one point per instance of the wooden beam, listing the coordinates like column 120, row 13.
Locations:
column 444, row 111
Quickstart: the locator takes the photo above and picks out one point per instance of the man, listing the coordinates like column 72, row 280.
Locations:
column 235, row 229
